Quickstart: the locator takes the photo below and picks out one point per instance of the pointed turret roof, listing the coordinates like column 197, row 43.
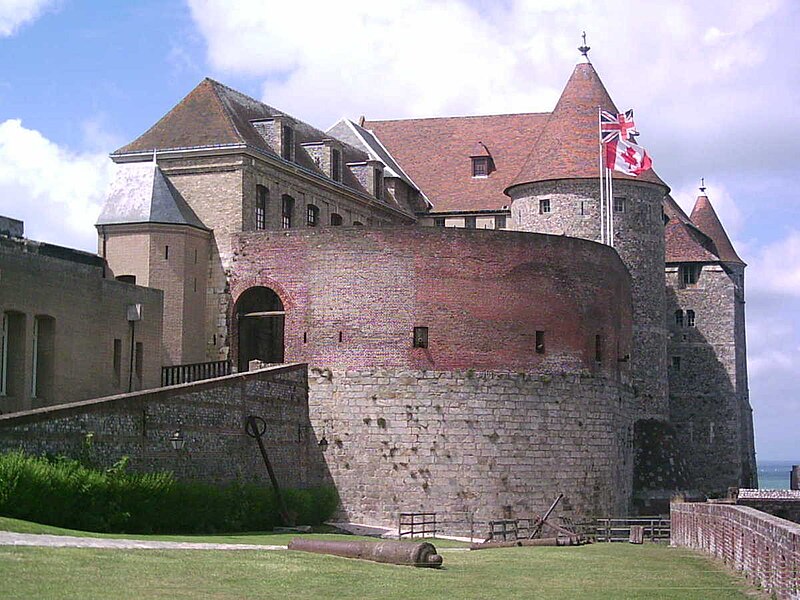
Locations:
column 139, row 193
column 567, row 146
column 705, row 219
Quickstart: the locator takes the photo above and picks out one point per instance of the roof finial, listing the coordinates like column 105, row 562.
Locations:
column 584, row 50
column 703, row 185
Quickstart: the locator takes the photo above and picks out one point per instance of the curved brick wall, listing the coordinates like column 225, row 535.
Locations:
column 639, row 239
column 482, row 294
column 479, row 424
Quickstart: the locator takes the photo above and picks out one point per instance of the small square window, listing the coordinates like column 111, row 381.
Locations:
column 500, row 222
column 470, row 222
column 540, row 342
column 312, row 215
column 690, row 318
column 676, row 363
column 544, row 206
column 619, row 205
column 438, row 221
column 420, row 337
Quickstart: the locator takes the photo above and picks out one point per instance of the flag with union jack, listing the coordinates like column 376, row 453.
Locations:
column 614, row 127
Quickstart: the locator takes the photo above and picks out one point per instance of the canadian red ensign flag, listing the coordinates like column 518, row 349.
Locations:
column 627, row 158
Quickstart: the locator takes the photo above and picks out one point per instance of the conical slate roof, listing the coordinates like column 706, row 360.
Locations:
column 140, row 193
column 567, row 147
column 705, row 219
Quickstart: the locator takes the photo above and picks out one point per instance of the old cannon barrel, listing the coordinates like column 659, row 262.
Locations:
column 421, row 554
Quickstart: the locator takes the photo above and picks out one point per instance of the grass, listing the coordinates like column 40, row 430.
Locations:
column 595, row 571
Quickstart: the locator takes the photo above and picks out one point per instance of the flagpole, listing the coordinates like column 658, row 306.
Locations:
column 602, row 183
column 610, row 177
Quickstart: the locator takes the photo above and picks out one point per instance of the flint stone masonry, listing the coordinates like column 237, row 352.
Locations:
column 211, row 416
column 485, row 444
column 765, row 548
column 709, row 399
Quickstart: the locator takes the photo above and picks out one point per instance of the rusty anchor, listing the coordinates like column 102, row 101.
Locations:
column 256, row 427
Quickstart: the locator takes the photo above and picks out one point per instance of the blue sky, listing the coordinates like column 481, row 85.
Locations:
column 715, row 85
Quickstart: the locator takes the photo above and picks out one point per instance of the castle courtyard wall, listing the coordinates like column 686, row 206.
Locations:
column 211, row 416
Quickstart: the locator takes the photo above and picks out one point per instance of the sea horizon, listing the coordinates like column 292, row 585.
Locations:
column 775, row 474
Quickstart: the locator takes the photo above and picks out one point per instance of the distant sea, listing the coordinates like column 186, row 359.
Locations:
column 774, row 474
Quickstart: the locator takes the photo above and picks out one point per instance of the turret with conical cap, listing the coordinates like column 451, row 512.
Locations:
column 558, row 191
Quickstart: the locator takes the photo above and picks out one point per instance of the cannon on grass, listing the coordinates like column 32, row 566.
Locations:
column 421, row 554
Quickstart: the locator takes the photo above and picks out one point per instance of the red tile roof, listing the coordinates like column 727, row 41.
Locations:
column 706, row 220
column 568, row 145
column 684, row 243
column 436, row 155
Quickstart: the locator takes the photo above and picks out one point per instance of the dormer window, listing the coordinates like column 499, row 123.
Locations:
column 287, row 142
column 480, row 166
column 482, row 163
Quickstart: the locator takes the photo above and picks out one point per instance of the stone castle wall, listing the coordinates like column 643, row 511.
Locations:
column 706, row 403
column 639, row 239
column 479, row 444
column 211, row 416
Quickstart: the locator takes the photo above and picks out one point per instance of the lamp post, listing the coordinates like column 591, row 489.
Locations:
column 177, row 440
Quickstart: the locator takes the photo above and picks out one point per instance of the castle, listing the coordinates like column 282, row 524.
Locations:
column 472, row 345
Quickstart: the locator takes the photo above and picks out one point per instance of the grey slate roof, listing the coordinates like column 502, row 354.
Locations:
column 140, row 193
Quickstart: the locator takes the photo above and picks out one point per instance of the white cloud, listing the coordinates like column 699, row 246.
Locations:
column 776, row 268
column 16, row 13
column 58, row 193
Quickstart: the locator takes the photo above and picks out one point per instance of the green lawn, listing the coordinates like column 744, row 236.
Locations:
column 594, row 571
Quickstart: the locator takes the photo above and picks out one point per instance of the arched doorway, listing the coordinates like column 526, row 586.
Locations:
column 260, row 316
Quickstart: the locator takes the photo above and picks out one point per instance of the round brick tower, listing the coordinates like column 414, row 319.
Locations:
column 558, row 192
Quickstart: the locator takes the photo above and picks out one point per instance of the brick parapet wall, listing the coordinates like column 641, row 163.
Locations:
column 480, row 444
column 764, row 547
column 211, row 415
column 353, row 296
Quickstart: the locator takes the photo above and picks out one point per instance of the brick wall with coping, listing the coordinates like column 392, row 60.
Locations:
column 211, row 415
column 765, row 548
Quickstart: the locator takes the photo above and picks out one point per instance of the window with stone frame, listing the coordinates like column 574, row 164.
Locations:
column 378, row 184
column 287, row 142
column 262, row 195
column 287, row 208
column 438, row 221
column 544, row 206
column 336, row 219
column 312, row 215
column 540, row 342
column 679, row 318
column 420, row 337
column 619, row 205
column 690, row 318
column 676, row 363
column 689, row 273
column 336, row 165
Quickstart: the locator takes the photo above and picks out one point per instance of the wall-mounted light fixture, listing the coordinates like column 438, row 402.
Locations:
column 177, row 440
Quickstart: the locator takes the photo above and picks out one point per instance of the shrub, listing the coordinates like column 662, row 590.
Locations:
column 66, row 493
